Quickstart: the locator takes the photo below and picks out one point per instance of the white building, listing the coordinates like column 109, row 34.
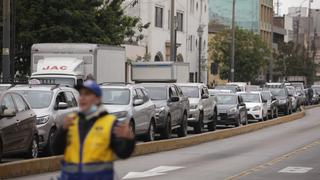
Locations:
column 190, row 14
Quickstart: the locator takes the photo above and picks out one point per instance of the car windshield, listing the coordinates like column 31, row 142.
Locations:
column 191, row 92
column 113, row 96
column 221, row 99
column 229, row 87
column 157, row 93
column 251, row 97
column 56, row 80
column 278, row 92
column 37, row 99
column 266, row 95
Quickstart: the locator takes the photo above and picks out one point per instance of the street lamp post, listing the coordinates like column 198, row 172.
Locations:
column 200, row 34
column 233, row 34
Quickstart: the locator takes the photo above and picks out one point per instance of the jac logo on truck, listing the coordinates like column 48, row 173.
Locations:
column 62, row 68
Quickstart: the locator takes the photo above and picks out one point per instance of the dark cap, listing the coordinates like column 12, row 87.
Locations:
column 91, row 86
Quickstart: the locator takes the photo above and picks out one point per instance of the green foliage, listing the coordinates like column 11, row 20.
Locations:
column 291, row 61
column 63, row 21
column 250, row 54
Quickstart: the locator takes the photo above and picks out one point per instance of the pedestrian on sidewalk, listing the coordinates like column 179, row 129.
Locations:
column 91, row 138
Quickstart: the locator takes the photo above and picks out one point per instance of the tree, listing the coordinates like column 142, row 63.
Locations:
column 291, row 61
column 73, row 21
column 250, row 54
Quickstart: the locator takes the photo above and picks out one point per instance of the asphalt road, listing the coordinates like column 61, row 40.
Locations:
column 285, row 152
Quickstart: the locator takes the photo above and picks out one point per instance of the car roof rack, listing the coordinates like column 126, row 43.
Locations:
column 114, row 83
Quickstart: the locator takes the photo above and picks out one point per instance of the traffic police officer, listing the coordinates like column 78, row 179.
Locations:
column 90, row 138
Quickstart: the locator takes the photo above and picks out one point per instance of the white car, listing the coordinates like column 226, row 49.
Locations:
column 256, row 106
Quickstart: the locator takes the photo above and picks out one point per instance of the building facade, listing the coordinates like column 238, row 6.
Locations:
column 190, row 15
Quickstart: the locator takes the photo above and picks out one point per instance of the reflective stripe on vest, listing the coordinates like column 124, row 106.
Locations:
column 96, row 145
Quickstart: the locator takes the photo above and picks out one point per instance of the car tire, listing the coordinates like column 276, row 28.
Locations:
column 166, row 132
column 287, row 112
column 198, row 127
column 49, row 148
column 33, row 151
column 132, row 127
column 212, row 126
column 277, row 113
column 237, row 122
column 183, row 129
column 246, row 122
column 150, row 136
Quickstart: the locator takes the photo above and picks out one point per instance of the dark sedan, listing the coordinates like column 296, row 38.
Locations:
column 18, row 132
column 231, row 110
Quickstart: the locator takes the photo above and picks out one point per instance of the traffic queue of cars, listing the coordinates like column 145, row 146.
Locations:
column 30, row 115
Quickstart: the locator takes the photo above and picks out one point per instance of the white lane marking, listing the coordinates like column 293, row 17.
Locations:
column 158, row 171
column 296, row 170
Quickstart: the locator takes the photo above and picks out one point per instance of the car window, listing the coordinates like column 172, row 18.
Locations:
column 172, row 92
column 134, row 94
column 71, row 100
column 7, row 103
column 60, row 98
column 140, row 94
column 146, row 96
column 206, row 91
column 21, row 104
column 179, row 91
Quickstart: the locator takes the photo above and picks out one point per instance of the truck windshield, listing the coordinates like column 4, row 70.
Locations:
column 37, row 99
column 157, row 93
column 191, row 92
column 112, row 96
column 57, row 80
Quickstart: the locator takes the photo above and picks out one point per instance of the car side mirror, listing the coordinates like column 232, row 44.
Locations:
column 174, row 98
column 137, row 102
column 62, row 105
column 273, row 98
column 242, row 104
column 8, row 113
column 204, row 96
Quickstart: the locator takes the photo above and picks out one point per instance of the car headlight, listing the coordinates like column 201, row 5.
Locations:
column 256, row 108
column 160, row 110
column 193, row 106
column 233, row 110
column 42, row 120
column 121, row 114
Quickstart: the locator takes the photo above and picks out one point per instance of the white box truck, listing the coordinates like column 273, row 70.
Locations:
column 72, row 63
column 160, row 72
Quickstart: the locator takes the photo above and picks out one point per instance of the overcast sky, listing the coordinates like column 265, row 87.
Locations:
column 284, row 4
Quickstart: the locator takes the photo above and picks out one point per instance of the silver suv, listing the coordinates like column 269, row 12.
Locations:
column 51, row 103
column 203, row 108
column 131, row 102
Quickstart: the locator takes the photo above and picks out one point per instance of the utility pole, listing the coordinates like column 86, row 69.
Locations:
column 271, row 57
column 233, row 34
column 309, row 28
column 173, row 32
column 13, row 39
column 6, row 42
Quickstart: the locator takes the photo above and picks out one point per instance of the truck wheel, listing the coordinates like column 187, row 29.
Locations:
column 183, row 129
column 212, row 126
column 165, row 133
column 33, row 151
column 198, row 127
column 151, row 135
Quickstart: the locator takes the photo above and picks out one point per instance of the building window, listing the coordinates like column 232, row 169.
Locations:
column 192, row 6
column 159, row 17
column 191, row 43
column 179, row 21
column 191, row 77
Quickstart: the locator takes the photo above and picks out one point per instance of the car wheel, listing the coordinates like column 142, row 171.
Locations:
column 52, row 135
column 277, row 112
column 246, row 122
column 132, row 127
column 237, row 121
column 165, row 133
column 212, row 126
column 151, row 135
column 183, row 129
column 198, row 127
column 287, row 111
column 33, row 151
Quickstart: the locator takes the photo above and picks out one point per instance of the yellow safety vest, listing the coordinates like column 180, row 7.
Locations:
column 96, row 145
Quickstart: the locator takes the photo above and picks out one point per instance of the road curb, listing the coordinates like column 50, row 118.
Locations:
column 50, row 164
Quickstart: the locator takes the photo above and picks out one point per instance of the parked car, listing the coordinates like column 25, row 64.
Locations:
column 231, row 110
column 272, row 103
column 172, row 108
column 4, row 87
column 215, row 92
column 203, row 108
column 233, row 88
column 294, row 98
column 282, row 95
column 51, row 103
column 257, row 108
column 131, row 102
column 241, row 85
column 18, row 132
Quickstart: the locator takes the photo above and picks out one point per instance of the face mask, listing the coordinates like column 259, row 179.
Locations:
column 92, row 109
